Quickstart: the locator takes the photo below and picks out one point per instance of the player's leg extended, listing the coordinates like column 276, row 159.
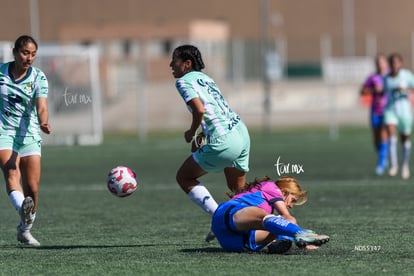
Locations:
column 30, row 169
column 392, row 130
column 405, row 130
column 406, row 153
column 256, row 218
column 187, row 176
column 9, row 162
column 382, row 150
column 236, row 179
column 376, row 122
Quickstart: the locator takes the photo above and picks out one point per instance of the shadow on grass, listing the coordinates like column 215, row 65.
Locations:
column 293, row 251
column 203, row 250
column 69, row 247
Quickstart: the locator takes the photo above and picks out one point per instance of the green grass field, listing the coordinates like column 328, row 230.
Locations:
column 84, row 230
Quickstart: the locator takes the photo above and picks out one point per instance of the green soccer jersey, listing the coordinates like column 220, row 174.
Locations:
column 398, row 101
column 218, row 119
column 18, row 101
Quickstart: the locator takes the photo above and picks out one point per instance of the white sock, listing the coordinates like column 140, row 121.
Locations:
column 393, row 151
column 406, row 152
column 202, row 197
column 16, row 198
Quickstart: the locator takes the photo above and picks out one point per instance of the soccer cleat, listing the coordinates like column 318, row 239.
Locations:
column 26, row 237
column 210, row 236
column 279, row 246
column 26, row 211
column 305, row 238
column 405, row 172
column 393, row 171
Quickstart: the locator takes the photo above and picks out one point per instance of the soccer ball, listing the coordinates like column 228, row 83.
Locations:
column 122, row 181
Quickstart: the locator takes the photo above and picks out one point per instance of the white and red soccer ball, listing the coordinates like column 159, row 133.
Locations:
column 122, row 181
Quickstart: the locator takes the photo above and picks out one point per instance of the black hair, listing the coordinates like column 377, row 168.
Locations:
column 394, row 55
column 23, row 40
column 190, row 52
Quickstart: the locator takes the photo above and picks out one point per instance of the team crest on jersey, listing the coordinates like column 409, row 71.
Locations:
column 28, row 88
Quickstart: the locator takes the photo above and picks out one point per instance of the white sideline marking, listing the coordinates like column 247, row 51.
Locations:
column 102, row 187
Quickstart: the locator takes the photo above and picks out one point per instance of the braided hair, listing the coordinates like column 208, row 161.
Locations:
column 23, row 40
column 190, row 52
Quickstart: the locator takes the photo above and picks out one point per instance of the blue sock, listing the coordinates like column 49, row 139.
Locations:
column 282, row 237
column 383, row 154
column 280, row 226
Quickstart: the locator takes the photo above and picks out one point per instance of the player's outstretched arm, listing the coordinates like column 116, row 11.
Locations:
column 43, row 115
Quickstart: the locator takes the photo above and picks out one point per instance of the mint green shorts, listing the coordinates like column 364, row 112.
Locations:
column 24, row 146
column 404, row 123
column 230, row 150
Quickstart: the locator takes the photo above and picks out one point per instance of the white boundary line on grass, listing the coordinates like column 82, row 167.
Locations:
column 102, row 187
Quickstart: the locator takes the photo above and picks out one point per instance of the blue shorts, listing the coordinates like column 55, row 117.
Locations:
column 230, row 150
column 225, row 231
column 377, row 121
column 23, row 145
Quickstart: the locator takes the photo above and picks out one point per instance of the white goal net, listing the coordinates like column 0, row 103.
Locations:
column 74, row 92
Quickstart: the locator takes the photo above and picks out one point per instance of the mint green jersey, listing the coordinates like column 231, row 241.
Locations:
column 18, row 101
column 398, row 101
column 218, row 119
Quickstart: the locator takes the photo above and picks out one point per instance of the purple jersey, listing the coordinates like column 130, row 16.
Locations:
column 379, row 100
column 262, row 195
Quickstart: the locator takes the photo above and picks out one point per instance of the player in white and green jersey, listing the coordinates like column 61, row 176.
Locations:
column 398, row 113
column 18, row 102
column 227, row 139
column 24, row 113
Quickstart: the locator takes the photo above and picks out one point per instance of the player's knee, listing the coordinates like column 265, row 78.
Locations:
column 181, row 179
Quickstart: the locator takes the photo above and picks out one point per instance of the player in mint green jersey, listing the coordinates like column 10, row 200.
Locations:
column 227, row 141
column 24, row 113
column 398, row 113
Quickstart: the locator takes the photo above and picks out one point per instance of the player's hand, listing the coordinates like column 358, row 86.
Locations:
column 197, row 142
column 311, row 247
column 46, row 128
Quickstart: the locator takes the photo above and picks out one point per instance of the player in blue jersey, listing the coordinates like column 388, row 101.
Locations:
column 227, row 141
column 398, row 113
column 259, row 217
column 24, row 113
